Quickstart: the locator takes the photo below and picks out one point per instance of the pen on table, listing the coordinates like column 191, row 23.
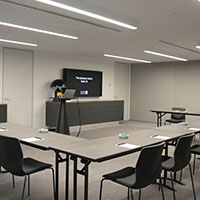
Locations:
column 121, row 143
column 3, row 128
column 154, row 136
column 39, row 138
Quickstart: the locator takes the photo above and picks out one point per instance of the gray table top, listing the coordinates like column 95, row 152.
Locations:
column 50, row 139
column 106, row 148
column 175, row 112
column 181, row 127
column 96, row 150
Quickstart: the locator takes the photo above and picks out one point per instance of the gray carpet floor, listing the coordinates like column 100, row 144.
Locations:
column 41, row 183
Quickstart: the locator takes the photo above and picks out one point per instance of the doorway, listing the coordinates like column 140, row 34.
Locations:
column 18, row 85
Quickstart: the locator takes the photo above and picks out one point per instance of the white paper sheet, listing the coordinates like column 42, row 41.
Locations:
column 129, row 146
column 32, row 139
column 193, row 129
column 161, row 137
column 3, row 129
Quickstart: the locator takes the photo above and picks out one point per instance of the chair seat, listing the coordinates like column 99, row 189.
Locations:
column 125, row 176
column 195, row 149
column 168, row 164
column 31, row 166
column 174, row 121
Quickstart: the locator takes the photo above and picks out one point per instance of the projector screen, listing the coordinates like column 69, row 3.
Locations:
column 87, row 83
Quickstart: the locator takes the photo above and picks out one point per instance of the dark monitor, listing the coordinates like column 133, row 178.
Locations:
column 87, row 83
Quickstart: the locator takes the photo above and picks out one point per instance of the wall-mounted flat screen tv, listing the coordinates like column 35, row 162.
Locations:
column 87, row 83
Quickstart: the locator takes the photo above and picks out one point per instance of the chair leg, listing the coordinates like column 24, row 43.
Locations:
column 173, row 186
column 160, row 182
column 29, row 186
column 194, row 163
column 128, row 194
column 162, row 191
column 13, row 180
column 140, row 191
column 54, row 187
column 192, row 182
column 132, row 195
column 101, row 188
column 24, row 187
column 181, row 174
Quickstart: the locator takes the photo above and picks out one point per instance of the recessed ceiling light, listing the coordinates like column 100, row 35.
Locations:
column 165, row 55
column 86, row 13
column 37, row 30
column 126, row 58
column 18, row 42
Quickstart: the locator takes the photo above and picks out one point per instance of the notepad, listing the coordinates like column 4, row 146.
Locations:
column 193, row 129
column 161, row 137
column 32, row 139
column 3, row 129
column 127, row 145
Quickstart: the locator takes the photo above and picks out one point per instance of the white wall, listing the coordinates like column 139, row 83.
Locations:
column 48, row 67
column 122, row 86
column 163, row 86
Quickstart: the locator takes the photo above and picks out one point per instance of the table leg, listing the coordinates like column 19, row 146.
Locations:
column 160, row 119
column 57, row 176
column 165, row 172
column 84, row 172
column 86, row 181
column 75, row 178
column 158, row 122
column 67, row 178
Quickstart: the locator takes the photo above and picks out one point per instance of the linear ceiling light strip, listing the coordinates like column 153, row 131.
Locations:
column 61, row 15
column 86, row 13
column 37, row 30
column 126, row 58
column 18, row 42
column 165, row 55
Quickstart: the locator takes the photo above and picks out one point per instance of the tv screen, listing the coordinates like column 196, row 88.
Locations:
column 87, row 83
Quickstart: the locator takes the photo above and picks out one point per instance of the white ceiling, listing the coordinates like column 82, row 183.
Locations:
column 173, row 21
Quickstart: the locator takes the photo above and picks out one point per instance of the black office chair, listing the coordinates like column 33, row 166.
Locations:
column 146, row 172
column 181, row 159
column 11, row 159
column 176, row 117
column 195, row 149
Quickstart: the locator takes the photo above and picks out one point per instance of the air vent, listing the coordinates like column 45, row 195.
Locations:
column 178, row 46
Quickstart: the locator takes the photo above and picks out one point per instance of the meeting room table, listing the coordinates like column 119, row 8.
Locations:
column 43, row 141
column 81, row 151
column 162, row 112
column 112, row 147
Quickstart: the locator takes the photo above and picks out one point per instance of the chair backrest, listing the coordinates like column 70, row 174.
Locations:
column 182, row 153
column 178, row 116
column 148, row 167
column 11, row 156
